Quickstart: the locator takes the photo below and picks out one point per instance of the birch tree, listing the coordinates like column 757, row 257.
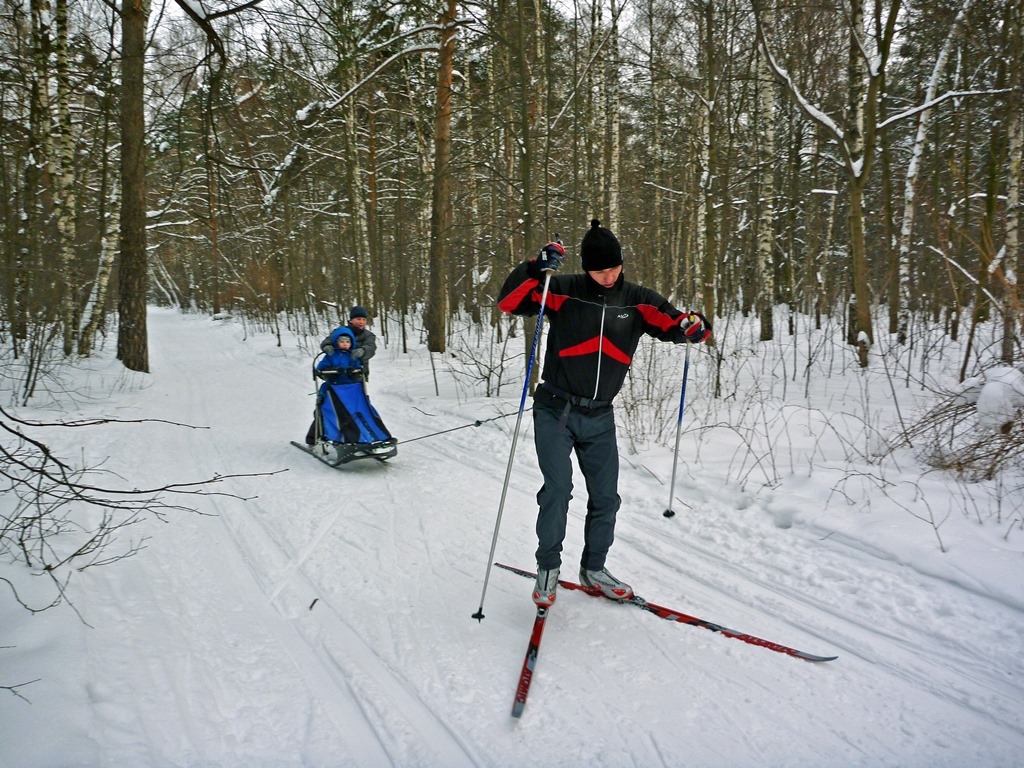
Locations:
column 1013, row 315
column 706, row 264
column 766, row 199
column 905, row 267
column 855, row 134
column 658, row 266
column 64, row 180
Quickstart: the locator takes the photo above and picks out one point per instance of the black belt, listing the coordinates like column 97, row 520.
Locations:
column 575, row 400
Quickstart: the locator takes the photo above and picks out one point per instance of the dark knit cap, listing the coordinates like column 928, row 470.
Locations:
column 600, row 249
column 357, row 311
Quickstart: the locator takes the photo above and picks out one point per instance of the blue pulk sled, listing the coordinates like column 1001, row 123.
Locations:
column 347, row 426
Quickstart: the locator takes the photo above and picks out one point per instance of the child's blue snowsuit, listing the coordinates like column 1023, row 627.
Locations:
column 350, row 368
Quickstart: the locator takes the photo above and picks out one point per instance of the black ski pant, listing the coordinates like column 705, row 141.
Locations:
column 591, row 435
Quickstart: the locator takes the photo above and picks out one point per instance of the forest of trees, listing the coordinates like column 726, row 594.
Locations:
column 853, row 159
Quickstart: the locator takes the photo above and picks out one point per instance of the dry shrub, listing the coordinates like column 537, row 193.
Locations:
column 954, row 436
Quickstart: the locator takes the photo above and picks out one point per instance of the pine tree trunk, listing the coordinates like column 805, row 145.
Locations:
column 213, row 189
column 766, row 224
column 32, row 225
column 132, row 341
column 436, row 315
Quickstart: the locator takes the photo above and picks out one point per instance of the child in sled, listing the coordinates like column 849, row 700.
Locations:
column 341, row 355
column 344, row 366
column 346, row 426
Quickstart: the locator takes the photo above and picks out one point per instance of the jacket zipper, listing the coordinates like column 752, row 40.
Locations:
column 600, row 347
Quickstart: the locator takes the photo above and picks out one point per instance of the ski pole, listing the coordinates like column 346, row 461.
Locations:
column 318, row 421
column 679, row 428
column 479, row 615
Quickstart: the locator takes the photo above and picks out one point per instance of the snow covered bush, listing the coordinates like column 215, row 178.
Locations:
column 978, row 429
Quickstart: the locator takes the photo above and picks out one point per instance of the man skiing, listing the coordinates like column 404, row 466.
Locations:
column 596, row 320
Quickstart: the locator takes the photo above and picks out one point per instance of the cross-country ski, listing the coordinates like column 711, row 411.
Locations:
column 683, row 618
column 529, row 662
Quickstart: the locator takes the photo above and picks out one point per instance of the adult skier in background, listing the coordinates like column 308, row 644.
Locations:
column 595, row 321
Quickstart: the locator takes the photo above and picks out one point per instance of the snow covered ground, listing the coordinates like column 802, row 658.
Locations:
column 322, row 617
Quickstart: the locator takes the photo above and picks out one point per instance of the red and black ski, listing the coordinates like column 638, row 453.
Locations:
column 530, row 662
column 662, row 613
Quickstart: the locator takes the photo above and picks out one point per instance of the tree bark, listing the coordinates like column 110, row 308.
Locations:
column 858, row 163
column 614, row 119
column 436, row 315
column 660, row 260
column 766, row 200
column 904, row 267
column 1013, row 316
column 108, row 219
column 856, row 139
column 64, row 183
column 98, row 299
column 709, row 166
column 210, row 147
column 132, row 341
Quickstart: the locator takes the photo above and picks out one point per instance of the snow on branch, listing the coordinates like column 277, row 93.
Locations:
column 308, row 116
column 970, row 278
column 432, row 48
column 935, row 102
column 786, row 81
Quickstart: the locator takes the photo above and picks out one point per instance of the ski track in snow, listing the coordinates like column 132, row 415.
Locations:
column 941, row 649
column 366, row 700
column 324, row 619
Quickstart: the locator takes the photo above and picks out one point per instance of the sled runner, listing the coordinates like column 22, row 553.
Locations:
column 347, row 426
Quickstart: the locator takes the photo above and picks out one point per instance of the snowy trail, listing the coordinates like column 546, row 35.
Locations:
column 322, row 617
column 941, row 651
column 732, row 566
column 882, row 615
column 881, row 618
column 884, row 624
column 364, row 700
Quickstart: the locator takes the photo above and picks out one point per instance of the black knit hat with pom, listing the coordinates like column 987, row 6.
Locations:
column 600, row 249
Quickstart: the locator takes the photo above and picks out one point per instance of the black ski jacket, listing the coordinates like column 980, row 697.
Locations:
column 593, row 331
